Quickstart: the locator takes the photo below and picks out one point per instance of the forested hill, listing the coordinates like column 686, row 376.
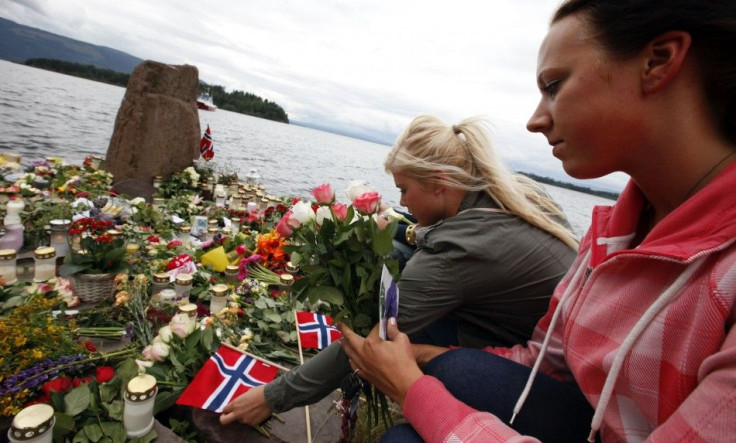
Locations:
column 236, row 101
column 566, row 185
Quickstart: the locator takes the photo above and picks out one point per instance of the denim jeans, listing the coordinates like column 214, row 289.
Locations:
column 554, row 411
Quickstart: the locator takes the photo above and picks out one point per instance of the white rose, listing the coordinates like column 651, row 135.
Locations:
column 165, row 333
column 356, row 188
column 182, row 325
column 323, row 212
column 302, row 212
column 156, row 351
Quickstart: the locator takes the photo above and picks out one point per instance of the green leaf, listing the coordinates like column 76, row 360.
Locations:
column 175, row 362
column 115, row 409
column 166, row 399
column 114, row 430
column 77, row 400
column 329, row 294
column 362, row 321
column 127, row 369
column 109, row 391
column 81, row 437
column 93, row 432
column 383, row 242
column 67, row 269
column 272, row 316
column 148, row 438
column 64, row 424
column 260, row 303
column 208, row 338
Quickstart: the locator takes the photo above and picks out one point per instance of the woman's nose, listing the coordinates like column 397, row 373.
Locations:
column 540, row 120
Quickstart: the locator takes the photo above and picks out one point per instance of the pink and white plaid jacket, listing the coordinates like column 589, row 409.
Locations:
column 675, row 377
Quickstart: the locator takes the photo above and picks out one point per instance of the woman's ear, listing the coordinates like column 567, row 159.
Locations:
column 664, row 57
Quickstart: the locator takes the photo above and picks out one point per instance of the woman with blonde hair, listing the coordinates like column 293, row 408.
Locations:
column 490, row 248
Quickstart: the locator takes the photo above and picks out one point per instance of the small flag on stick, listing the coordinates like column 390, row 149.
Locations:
column 316, row 330
column 225, row 376
column 206, row 147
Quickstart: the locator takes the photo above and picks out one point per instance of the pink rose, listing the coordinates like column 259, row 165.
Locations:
column 340, row 210
column 368, row 203
column 283, row 227
column 324, row 194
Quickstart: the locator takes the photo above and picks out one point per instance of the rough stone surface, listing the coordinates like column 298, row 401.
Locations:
column 325, row 426
column 157, row 127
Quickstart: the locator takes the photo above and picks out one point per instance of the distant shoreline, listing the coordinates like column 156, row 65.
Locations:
column 561, row 184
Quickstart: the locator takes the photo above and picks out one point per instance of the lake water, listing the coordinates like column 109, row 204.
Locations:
column 43, row 113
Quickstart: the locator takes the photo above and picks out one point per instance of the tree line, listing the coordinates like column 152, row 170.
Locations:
column 566, row 185
column 236, row 101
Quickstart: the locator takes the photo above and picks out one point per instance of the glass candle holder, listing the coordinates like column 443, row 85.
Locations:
column 290, row 268
column 132, row 248
column 44, row 260
column 12, row 212
column 33, row 424
column 190, row 309
column 184, row 235
column 159, row 282
column 219, row 299
column 59, row 236
column 235, row 225
column 220, row 199
column 227, row 232
column 252, row 207
column 167, row 296
column 231, row 273
column 139, row 396
column 285, row 282
column 157, row 180
column 253, row 178
column 211, row 233
column 8, row 262
column 182, row 286
column 158, row 203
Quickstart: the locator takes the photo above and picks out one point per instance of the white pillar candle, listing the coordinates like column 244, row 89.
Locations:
column 33, row 424
column 45, row 264
column 140, row 395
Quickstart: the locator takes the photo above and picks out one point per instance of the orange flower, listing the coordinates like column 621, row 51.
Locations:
column 269, row 247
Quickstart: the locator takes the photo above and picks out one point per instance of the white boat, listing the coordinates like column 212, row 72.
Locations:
column 204, row 102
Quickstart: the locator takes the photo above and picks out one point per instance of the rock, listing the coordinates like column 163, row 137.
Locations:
column 325, row 425
column 157, row 127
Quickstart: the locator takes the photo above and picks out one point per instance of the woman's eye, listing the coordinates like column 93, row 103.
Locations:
column 551, row 87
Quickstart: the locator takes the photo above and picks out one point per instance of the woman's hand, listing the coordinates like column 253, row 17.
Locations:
column 388, row 364
column 250, row 408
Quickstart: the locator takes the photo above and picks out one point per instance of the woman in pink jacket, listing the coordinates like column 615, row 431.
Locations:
column 642, row 325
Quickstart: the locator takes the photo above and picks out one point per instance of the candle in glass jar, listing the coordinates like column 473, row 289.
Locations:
column 33, row 424
column 45, row 264
column 8, row 260
column 140, row 394
column 182, row 285
column 219, row 299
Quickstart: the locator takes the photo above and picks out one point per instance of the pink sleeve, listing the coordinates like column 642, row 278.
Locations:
column 438, row 417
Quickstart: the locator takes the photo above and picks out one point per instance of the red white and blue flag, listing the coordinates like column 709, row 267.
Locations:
column 316, row 330
column 206, row 147
column 225, row 376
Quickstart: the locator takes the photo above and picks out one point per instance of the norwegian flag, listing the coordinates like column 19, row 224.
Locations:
column 316, row 330
column 224, row 377
column 206, row 148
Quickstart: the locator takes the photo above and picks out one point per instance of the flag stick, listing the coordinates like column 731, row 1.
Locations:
column 301, row 360
column 268, row 362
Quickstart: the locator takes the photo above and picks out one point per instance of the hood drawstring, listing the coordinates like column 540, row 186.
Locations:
column 574, row 283
column 669, row 295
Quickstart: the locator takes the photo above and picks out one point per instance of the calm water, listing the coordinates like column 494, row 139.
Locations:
column 44, row 113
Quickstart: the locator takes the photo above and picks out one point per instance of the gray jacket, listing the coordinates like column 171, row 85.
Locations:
column 490, row 272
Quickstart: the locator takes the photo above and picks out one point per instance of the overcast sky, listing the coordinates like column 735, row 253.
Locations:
column 363, row 66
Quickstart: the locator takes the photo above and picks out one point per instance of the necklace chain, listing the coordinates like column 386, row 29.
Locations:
column 707, row 174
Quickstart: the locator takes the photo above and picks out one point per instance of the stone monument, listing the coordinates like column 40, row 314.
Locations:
column 157, row 127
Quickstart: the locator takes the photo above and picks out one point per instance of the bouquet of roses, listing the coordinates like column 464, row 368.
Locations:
column 340, row 251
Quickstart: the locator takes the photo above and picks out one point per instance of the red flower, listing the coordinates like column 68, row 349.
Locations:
column 83, row 194
column 104, row 239
column 153, row 239
column 173, row 243
column 89, row 346
column 104, row 373
column 340, row 210
column 324, row 194
column 60, row 384
column 77, row 382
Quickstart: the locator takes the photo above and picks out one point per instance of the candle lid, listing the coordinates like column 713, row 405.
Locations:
column 188, row 308
column 229, row 269
column 290, row 268
column 141, row 388
column 286, row 279
column 220, row 290
column 184, row 279
column 185, row 228
column 167, row 294
column 44, row 253
column 227, row 231
column 113, row 233
column 212, row 222
column 59, row 223
column 212, row 230
column 8, row 254
column 161, row 277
